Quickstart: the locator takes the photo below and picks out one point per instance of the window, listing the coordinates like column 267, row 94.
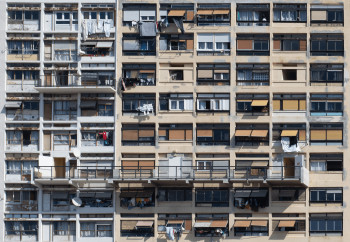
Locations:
column 326, row 195
column 251, row 228
column 297, row 132
column 213, row 44
column 326, row 162
column 290, row 225
column 326, row 74
column 252, row 104
column 174, row 11
column 253, row 44
column 137, row 228
column 211, row 225
column 286, row 194
column 22, row 230
column 25, row 138
column 175, row 132
column 137, row 198
column 138, row 135
column 252, row 134
column 62, row 228
column 329, row 14
column 213, row 14
column 65, row 110
column 289, row 42
column 327, row 44
column 23, row 47
column 213, row 102
column 289, row 13
column 289, row 102
column 139, row 74
column 216, row 198
column 97, row 138
column 326, row 224
column 172, row 195
column 138, row 12
column 139, row 103
column 251, row 199
column 326, row 104
column 253, row 14
column 215, row 134
column 176, row 102
column 326, row 134
column 21, row 201
column 213, row 74
column 23, row 168
column 176, row 42
column 253, row 74
column 96, row 229
column 134, row 45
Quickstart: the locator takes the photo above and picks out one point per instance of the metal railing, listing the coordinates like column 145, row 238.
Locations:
column 168, row 172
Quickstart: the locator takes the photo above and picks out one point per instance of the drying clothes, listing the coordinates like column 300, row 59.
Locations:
column 170, row 232
column 148, row 29
column 100, row 25
column 287, row 147
column 107, row 28
column 179, row 23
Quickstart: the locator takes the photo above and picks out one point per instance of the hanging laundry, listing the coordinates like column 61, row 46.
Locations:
column 179, row 23
column 170, row 232
column 107, row 28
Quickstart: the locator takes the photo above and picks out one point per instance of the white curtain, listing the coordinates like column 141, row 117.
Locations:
column 14, row 167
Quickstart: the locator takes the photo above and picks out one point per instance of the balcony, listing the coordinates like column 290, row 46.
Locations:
column 72, row 85
column 262, row 173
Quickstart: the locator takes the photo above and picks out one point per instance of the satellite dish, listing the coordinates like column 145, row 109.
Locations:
column 76, row 152
column 77, row 202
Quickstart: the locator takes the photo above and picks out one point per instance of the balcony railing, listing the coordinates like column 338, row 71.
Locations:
column 77, row 83
column 238, row 173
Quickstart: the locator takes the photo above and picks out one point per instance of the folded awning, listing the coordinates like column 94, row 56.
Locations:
column 259, row 133
column 128, row 225
column 260, row 163
column 259, row 103
column 205, row 12
column 260, row 223
column 222, row 11
column 202, row 224
column 242, row 224
column 289, row 133
column 89, row 43
column 127, row 194
column 144, row 224
column 286, row 224
column 243, row 193
column 175, row 222
column 104, row 44
column 258, row 193
column 88, row 104
column 13, row 104
column 218, row 223
column 243, row 133
column 287, row 193
column 144, row 194
column 176, row 13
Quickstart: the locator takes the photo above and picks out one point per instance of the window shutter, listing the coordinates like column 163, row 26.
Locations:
column 244, row 44
column 302, row 134
column 335, row 135
column 189, row 44
column 130, row 135
column 225, row 104
column 188, row 104
column 205, row 74
column 146, row 133
column 276, row 105
column 290, row 105
column 318, row 15
column 302, row 105
column 177, row 134
column 189, row 15
column 189, row 134
column 205, row 133
column 276, row 45
column 318, row 135
column 303, row 45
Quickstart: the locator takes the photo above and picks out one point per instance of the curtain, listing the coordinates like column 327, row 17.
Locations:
column 87, row 229
column 14, row 167
column 28, row 166
column 318, row 166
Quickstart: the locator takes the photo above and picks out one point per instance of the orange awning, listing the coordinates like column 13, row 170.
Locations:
column 261, row 223
column 287, row 223
column 176, row 13
column 205, row 12
column 243, row 133
column 289, row 133
column 259, row 133
column 218, row 223
column 222, row 11
column 242, row 224
column 259, row 103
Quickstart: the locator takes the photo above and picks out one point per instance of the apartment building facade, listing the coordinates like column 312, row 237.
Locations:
column 170, row 120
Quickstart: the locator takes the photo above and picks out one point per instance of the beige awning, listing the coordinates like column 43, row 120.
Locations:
column 289, row 133
column 259, row 133
column 243, row 133
column 175, row 221
column 205, row 12
column 222, row 11
column 261, row 223
column 128, row 225
column 287, row 223
column 260, row 163
column 259, row 103
column 176, row 13
column 144, row 224
column 218, row 223
column 242, row 224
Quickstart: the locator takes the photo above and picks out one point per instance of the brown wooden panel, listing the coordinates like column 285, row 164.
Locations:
column 47, row 111
column 130, row 135
column 190, row 15
column 276, row 105
column 244, row 44
column 318, row 135
column 290, row 105
column 205, row 133
column 146, row 164
column 177, row 134
column 303, row 45
column 188, row 224
column 47, row 141
column 162, row 132
column 335, row 135
column 189, row 134
column 130, row 164
column 302, row 135
column 146, row 133
column 276, row 45
column 302, row 105
column 189, row 44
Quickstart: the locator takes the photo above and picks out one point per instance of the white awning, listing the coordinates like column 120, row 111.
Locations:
column 89, row 43
column 13, row 104
column 202, row 224
column 104, row 44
